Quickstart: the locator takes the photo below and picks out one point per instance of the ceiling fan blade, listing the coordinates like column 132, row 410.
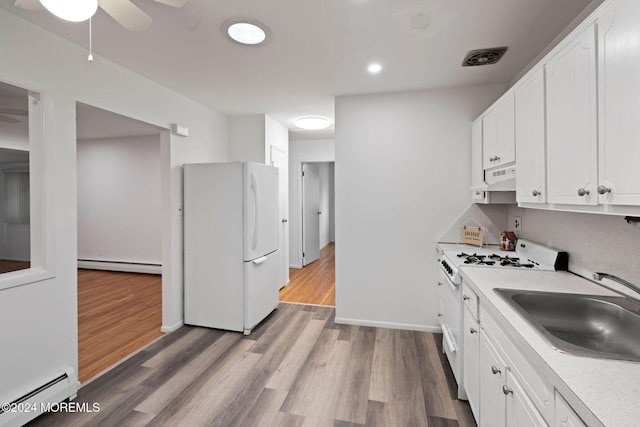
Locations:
column 172, row 3
column 126, row 14
column 31, row 5
column 7, row 119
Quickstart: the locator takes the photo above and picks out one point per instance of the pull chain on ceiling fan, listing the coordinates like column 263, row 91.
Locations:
column 124, row 12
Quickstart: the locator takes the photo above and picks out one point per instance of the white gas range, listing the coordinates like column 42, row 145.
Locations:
column 527, row 256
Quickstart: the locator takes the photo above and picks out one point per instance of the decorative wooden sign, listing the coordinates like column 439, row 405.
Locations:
column 472, row 235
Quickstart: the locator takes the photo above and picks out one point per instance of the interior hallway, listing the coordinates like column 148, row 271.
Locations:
column 314, row 283
column 118, row 313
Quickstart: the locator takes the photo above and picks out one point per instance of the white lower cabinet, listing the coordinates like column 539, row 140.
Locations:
column 521, row 412
column 492, row 373
column 471, row 378
column 502, row 386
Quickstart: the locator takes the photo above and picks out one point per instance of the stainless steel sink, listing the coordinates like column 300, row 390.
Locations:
column 584, row 325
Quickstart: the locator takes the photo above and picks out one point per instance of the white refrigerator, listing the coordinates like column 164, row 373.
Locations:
column 230, row 244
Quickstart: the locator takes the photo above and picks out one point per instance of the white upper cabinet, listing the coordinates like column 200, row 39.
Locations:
column 530, row 139
column 619, row 102
column 498, row 133
column 572, row 144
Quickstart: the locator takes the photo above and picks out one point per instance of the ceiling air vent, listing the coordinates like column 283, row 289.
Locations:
column 483, row 56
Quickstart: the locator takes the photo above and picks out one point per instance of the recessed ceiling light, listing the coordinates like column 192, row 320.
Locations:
column 374, row 68
column 245, row 31
column 312, row 123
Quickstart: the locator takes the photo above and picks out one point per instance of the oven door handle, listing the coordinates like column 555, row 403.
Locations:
column 448, row 338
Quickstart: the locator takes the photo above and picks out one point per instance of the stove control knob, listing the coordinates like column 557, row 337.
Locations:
column 583, row 192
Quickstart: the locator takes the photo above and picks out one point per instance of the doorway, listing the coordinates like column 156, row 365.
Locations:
column 119, row 237
column 314, row 282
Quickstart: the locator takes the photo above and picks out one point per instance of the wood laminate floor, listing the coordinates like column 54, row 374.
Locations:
column 314, row 283
column 118, row 313
column 298, row 368
column 7, row 266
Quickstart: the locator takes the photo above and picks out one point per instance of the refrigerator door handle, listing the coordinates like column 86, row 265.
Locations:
column 260, row 260
column 254, row 188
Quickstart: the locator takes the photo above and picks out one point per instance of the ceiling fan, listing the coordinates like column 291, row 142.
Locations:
column 124, row 12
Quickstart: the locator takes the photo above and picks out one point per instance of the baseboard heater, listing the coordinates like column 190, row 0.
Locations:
column 130, row 267
column 40, row 400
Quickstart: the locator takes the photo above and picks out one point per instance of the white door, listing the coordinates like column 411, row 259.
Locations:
column 572, row 142
column 280, row 161
column 310, row 213
column 619, row 85
column 530, row 140
column 261, row 215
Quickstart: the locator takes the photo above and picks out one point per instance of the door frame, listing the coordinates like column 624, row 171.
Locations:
column 299, row 207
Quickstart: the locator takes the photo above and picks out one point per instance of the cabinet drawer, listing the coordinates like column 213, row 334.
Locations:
column 470, row 299
column 536, row 389
column 565, row 417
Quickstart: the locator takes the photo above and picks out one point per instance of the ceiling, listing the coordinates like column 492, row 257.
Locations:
column 319, row 49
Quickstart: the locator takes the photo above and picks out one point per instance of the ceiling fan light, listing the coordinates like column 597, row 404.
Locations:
column 312, row 123
column 71, row 10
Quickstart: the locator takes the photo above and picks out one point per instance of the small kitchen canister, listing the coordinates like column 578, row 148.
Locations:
column 508, row 241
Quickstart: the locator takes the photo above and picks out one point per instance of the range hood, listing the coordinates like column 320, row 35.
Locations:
column 503, row 179
column 499, row 187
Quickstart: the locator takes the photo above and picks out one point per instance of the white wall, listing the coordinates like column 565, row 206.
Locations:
column 119, row 200
column 327, row 205
column 402, row 177
column 247, row 138
column 313, row 151
column 604, row 243
column 43, row 337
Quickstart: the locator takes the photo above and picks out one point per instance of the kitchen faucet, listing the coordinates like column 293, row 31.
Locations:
column 599, row 276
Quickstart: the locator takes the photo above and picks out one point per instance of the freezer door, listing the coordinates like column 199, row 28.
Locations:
column 260, row 210
column 261, row 289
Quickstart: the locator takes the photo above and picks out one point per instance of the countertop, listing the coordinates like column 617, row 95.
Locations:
column 602, row 392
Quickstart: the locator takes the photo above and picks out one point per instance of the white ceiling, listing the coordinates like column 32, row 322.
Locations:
column 319, row 49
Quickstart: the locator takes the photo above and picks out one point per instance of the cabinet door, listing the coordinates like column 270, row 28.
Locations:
column 477, row 170
column 565, row 416
column 498, row 134
column 530, row 139
column 520, row 410
column 571, row 122
column 471, row 375
column 492, row 379
column 619, row 99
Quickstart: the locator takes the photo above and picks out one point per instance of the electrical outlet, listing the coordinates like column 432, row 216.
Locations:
column 516, row 225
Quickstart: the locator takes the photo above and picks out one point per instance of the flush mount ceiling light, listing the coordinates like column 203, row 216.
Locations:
column 374, row 68
column 246, row 31
column 71, row 10
column 312, row 123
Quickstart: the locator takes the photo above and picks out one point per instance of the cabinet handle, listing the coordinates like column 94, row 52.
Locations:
column 464, row 297
column 603, row 190
column 495, row 370
column 536, row 193
column 472, row 330
column 439, row 314
column 497, row 158
column 582, row 192
column 506, row 390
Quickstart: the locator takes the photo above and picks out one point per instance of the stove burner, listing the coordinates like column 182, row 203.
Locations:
column 505, row 261
column 475, row 259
